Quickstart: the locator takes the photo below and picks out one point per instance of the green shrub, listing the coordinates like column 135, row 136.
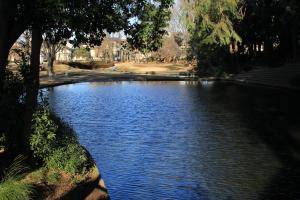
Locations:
column 43, row 137
column 71, row 158
column 55, row 144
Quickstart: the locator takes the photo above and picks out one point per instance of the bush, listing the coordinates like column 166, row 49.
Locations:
column 43, row 137
column 55, row 144
column 11, row 187
column 71, row 158
column 90, row 65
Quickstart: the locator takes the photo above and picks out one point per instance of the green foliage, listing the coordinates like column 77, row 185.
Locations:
column 55, row 144
column 11, row 187
column 53, row 177
column 71, row 158
column 43, row 138
column 212, row 30
column 79, row 21
column 242, row 32
column 149, row 27
column 215, row 21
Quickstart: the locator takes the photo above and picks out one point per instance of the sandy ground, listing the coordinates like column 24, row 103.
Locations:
column 158, row 68
column 129, row 68
column 65, row 74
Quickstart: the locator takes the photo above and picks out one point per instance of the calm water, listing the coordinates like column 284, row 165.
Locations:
column 187, row 141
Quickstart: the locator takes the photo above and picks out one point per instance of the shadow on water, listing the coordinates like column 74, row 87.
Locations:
column 187, row 141
column 275, row 115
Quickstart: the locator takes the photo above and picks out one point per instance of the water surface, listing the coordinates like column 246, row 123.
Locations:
column 185, row 140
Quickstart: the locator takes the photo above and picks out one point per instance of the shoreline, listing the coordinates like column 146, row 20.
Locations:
column 272, row 78
column 96, row 76
column 93, row 76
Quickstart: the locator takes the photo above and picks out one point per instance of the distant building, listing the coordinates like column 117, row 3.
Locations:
column 110, row 49
column 65, row 54
column 115, row 48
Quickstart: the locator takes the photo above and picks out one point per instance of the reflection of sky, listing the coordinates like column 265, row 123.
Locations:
column 166, row 140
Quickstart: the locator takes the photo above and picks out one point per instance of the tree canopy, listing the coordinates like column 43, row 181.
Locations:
column 86, row 21
column 80, row 21
column 211, row 28
column 234, row 33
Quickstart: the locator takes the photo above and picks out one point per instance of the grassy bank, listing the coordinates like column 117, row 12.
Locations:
column 58, row 167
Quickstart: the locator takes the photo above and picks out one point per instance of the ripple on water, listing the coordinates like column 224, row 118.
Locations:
column 170, row 140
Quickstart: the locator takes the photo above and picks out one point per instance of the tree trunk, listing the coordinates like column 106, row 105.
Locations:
column 10, row 32
column 51, row 58
column 294, row 40
column 4, row 47
column 32, row 84
column 50, row 66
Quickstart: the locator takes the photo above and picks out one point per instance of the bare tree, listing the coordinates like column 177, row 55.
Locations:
column 177, row 23
column 49, row 49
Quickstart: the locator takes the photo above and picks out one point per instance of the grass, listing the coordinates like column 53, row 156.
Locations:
column 11, row 186
column 12, row 189
column 62, row 161
column 53, row 177
column 38, row 176
column 70, row 158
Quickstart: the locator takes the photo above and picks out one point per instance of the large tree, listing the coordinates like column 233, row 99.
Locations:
column 55, row 40
column 212, row 32
column 15, row 18
column 149, row 25
column 264, row 32
column 86, row 21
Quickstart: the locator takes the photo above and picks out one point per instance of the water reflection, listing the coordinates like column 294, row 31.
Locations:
column 184, row 140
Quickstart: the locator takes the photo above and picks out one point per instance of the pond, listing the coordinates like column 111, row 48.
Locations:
column 187, row 140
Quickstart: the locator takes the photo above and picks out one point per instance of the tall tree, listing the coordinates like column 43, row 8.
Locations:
column 15, row 17
column 212, row 31
column 86, row 21
column 264, row 31
column 55, row 40
column 149, row 25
